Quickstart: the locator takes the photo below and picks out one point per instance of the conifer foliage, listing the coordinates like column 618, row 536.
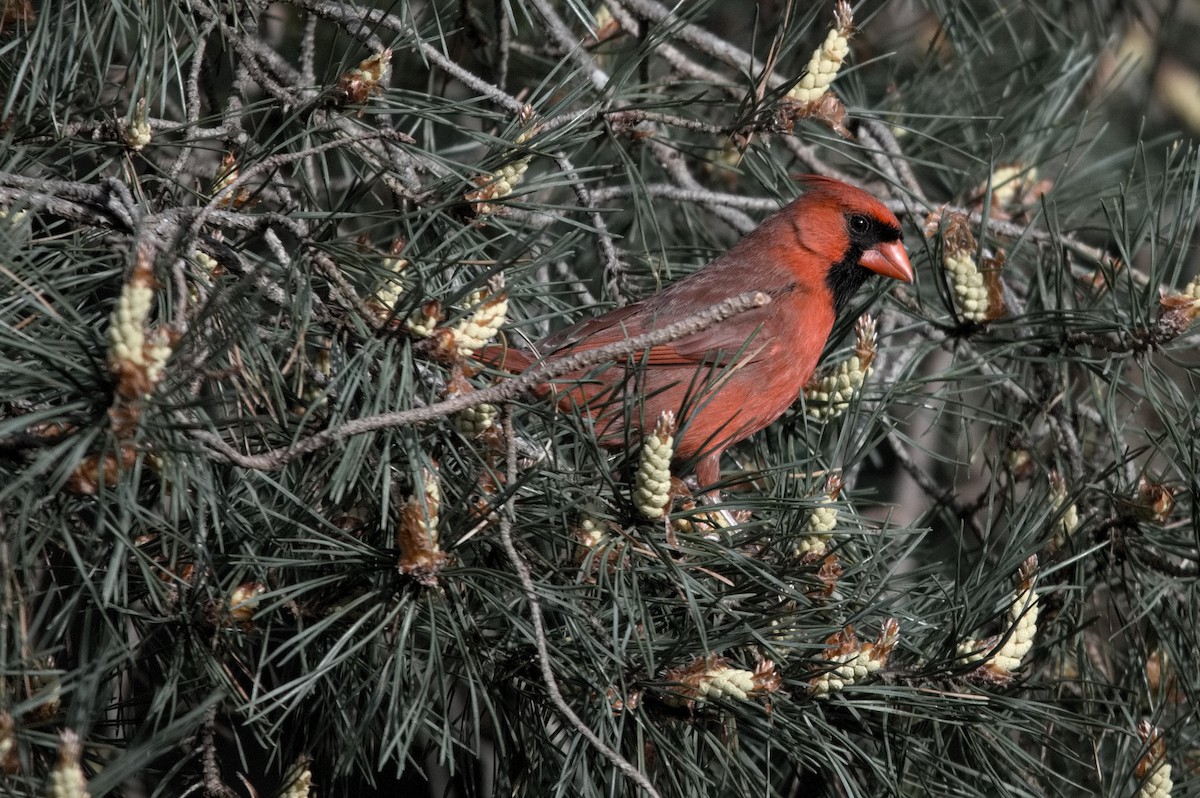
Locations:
column 269, row 527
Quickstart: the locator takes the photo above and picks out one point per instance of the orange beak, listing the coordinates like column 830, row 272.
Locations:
column 890, row 260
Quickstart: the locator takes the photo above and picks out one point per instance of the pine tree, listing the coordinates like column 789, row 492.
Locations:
column 266, row 528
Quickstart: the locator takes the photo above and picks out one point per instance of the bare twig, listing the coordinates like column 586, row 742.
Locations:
column 935, row 491
column 539, row 632
column 497, row 394
column 699, row 38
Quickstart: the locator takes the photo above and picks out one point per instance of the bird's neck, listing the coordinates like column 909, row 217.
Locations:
column 844, row 279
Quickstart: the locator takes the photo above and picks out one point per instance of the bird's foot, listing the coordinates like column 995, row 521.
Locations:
column 705, row 522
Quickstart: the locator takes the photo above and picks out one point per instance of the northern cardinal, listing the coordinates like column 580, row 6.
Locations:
column 731, row 380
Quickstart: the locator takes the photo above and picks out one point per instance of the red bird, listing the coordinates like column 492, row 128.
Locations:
column 733, row 379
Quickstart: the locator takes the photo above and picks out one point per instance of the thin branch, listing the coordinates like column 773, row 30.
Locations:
column 354, row 18
column 614, row 270
column 888, row 155
column 931, row 487
column 673, row 163
column 571, row 44
column 701, row 39
column 192, row 113
column 497, row 394
column 539, row 632
column 700, row 196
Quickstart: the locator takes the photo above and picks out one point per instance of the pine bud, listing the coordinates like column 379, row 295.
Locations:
column 829, row 396
column 852, row 661
column 67, row 779
column 417, row 534
column 14, row 222
column 1069, row 519
column 19, row 12
column 1019, row 462
column 1192, row 290
column 482, row 325
column 590, row 534
column 1176, row 312
column 227, row 175
column 620, row 704
column 10, row 760
column 978, row 291
column 711, row 678
column 206, row 262
column 358, row 84
column 1154, row 501
column 828, row 575
column 243, row 600
column 1152, row 769
column 499, row 184
column 298, row 782
column 827, row 59
column 393, row 286
column 605, row 26
column 96, row 470
column 137, row 129
column 1012, row 186
column 652, row 487
column 593, row 535
column 1160, row 676
column 821, row 522
column 1003, row 654
column 46, row 689
column 422, row 321
column 1006, row 184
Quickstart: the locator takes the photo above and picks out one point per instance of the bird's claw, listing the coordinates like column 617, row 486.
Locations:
column 706, row 522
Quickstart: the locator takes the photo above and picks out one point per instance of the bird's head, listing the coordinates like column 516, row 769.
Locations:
column 851, row 232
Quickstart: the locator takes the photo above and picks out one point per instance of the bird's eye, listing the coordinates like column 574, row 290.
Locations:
column 859, row 225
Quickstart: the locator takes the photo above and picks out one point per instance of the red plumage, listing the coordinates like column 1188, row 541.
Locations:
column 731, row 380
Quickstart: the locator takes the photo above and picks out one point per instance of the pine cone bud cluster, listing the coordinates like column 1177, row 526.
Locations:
column 499, row 184
column 484, row 322
column 1001, row 655
column 852, row 661
column 417, row 534
column 358, row 84
column 977, row 290
column 829, row 396
column 1153, row 770
column 137, row 130
column 67, row 779
column 424, row 319
column 652, row 486
column 821, row 523
column 711, row 678
column 392, row 288
column 826, row 60
column 137, row 352
column 477, row 419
